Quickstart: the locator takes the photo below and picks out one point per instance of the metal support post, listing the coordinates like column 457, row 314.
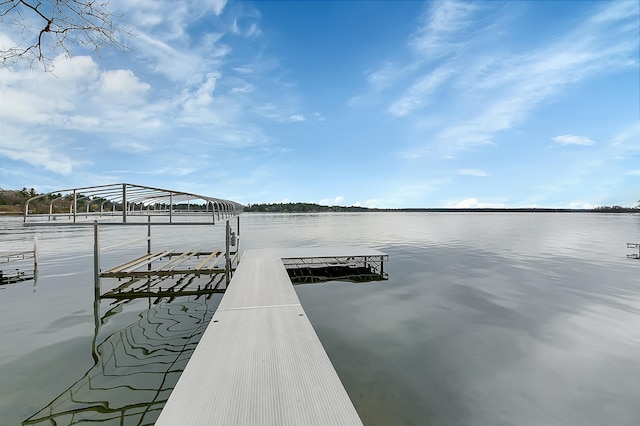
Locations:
column 227, row 257
column 74, row 206
column 149, row 239
column 35, row 256
column 238, row 237
column 170, row 207
column 213, row 212
column 96, row 259
column 125, row 207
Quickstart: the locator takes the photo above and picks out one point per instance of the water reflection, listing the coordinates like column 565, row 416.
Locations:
column 136, row 367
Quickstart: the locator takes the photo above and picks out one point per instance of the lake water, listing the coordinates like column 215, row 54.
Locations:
column 486, row 319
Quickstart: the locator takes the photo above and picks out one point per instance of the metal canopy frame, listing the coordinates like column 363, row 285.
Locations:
column 128, row 203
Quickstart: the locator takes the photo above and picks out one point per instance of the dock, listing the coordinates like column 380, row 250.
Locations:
column 260, row 360
column 20, row 271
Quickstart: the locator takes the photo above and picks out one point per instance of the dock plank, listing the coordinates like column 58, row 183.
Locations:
column 124, row 266
column 208, row 258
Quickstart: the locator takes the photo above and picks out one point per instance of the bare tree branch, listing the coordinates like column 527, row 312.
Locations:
column 46, row 28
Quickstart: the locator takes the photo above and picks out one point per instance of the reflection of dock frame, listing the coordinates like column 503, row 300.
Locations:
column 135, row 367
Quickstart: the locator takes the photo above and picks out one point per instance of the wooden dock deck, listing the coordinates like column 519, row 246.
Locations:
column 260, row 360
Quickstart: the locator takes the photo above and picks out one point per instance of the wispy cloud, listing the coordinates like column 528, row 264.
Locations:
column 442, row 26
column 473, row 172
column 419, row 93
column 35, row 149
column 627, row 139
column 295, row 118
column 497, row 90
column 573, row 140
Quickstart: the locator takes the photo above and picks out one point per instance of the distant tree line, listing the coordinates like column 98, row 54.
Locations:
column 617, row 209
column 300, row 208
column 13, row 202
column 316, row 208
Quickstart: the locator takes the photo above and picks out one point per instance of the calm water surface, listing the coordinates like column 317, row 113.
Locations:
column 486, row 319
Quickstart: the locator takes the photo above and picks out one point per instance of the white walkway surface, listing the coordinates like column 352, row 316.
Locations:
column 260, row 360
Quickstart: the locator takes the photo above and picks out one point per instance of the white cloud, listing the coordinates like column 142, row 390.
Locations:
column 247, row 70
column 332, row 201
column 122, row 86
column 284, row 114
column 242, row 87
column 295, row 118
column 581, row 205
column 203, row 95
column 634, row 172
column 216, row 5
column 371, row 203
column 130, row 146
column 573, row 140
column 472, row 172
column 472, row 203
column 34, row 149
column 40, row 98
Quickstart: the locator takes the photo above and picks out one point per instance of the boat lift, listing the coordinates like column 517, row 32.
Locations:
column 125, row 203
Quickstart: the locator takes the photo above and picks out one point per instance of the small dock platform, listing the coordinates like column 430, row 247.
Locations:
column 22, row 269
column 312, row 265
column 634, row 255
column 260, row 360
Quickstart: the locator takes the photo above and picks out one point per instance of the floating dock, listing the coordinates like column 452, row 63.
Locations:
column 20, row 272
column 260, row 360
column 634, row 255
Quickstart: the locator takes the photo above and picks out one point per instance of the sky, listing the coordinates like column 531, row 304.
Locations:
column 388, row 104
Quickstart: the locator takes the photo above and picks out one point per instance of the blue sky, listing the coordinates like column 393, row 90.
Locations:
column 381, row 104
